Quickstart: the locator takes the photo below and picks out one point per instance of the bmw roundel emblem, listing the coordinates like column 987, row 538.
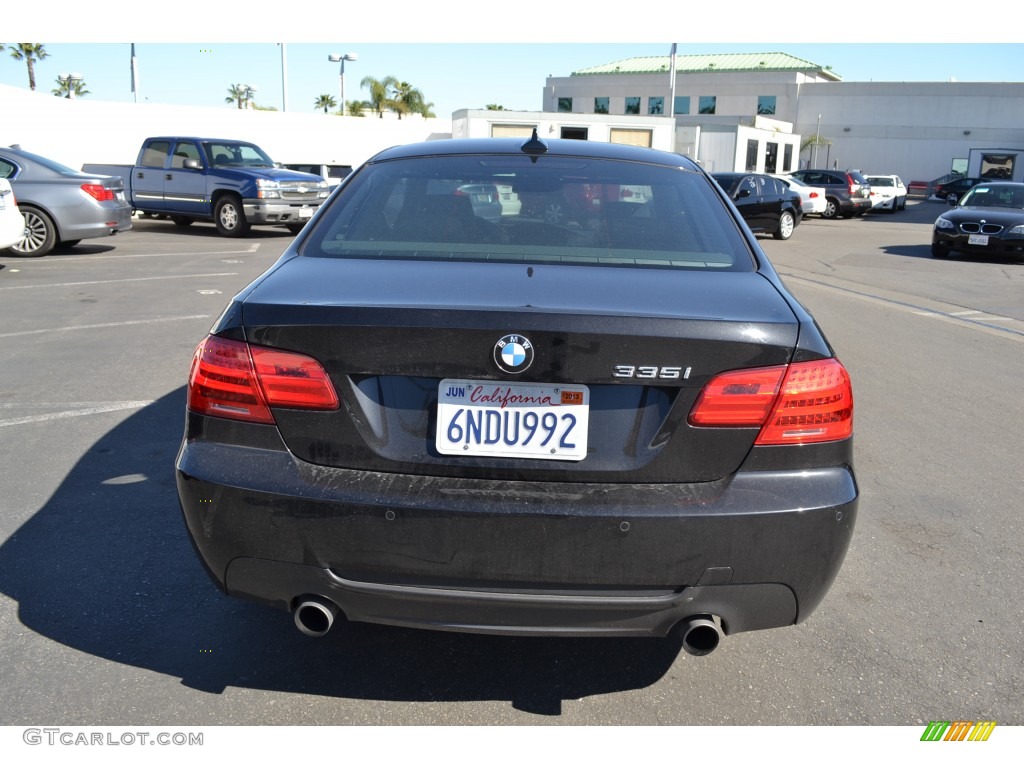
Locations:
column 513, row 353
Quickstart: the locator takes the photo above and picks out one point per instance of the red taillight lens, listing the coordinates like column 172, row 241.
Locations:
column 808, row 402
column 852, row 184
column 813, row 195
column 98, row 191
column 225, row 381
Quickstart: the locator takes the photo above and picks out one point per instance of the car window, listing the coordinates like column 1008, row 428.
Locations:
column 155, row 154
column 6, row 169
column 185, row 150
column 880, row 181
column 568, row 211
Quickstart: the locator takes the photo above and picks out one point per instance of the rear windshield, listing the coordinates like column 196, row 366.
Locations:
column 513, row 209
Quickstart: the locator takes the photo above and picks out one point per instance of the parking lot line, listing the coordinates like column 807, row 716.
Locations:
column 104, row 325
column 125, row 405
column 122, row 280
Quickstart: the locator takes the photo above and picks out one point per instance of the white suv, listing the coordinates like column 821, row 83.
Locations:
column 887, row 193
column 12, row 225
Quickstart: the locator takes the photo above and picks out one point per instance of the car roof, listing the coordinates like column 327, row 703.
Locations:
column 555, row 147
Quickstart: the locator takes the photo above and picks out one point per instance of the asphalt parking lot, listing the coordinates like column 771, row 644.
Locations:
column 106, row 616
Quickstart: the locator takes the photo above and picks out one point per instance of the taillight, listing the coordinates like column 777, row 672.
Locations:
column 809, row 402
column 813, row 195
column 98, row 191
column 852, row 183
column 235, row 380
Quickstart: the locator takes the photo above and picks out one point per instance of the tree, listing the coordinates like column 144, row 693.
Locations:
column 380, row 96
column 410, row 100
column 66, row 87
column 495, row 107
column 325, row 102
column 30, row 53
column 356, row 108
column 240, row 93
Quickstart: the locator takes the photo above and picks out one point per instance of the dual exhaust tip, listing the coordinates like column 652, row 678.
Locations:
column 314, row 616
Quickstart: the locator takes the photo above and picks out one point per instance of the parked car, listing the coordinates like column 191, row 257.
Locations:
column 622, row 425
column 62, row 206
column 331, row 172
column 956, row 187
column 766, row 203
column 484, row 198
column 812, row 199
column 888, row 193
column 12, row 224
column 988, row 221
column 847, row 193
column 232, row 183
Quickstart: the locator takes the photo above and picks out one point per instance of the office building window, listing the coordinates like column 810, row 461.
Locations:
column 601, row 105
column 706, row 105
column 787, row 158
column 655, row 105
column 751, row 155
column 766, row 105
column 632, row 105
column 564, row 104
column 681, row 105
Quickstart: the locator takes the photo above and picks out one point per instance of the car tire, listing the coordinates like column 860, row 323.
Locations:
column 895, row 205
column 939, row 251
column 554, row 213
column 229, row 216
column 831, row 209
column 182, row 221
column 40, row 233
column 786, row 226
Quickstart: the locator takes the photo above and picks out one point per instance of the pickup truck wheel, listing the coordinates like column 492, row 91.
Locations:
column 182, row 221
column 786, row 226
column 229, row 216
column 40, row 233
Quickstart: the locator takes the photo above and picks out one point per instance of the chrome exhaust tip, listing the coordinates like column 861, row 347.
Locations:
column 315, row 616
column 700, row 635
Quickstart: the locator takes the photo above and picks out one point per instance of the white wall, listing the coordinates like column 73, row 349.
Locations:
column 476, row 123
column 78, row 131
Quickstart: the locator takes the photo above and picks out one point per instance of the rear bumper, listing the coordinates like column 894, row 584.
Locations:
column 759, row 550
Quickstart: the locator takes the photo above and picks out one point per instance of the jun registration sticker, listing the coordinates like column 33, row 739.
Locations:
column 512, row 420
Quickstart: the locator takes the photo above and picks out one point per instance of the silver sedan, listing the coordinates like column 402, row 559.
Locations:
column 62, row 206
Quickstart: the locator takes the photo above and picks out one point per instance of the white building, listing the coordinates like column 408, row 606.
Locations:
column 916, row 130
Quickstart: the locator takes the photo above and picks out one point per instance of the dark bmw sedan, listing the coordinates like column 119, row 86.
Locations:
column 766, row 204
column 618, row 424
column 988, row 221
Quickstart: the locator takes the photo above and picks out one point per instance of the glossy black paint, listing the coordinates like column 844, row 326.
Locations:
column 1001, row 226
column 761, row 200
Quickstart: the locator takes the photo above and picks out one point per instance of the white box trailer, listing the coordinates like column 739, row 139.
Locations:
column 996, row 163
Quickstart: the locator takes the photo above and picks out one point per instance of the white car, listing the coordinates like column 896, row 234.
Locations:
column 12, row 225
column 888, row 193
column 812, row 199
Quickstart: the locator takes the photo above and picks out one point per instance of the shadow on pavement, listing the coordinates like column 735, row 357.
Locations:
column 106, row 567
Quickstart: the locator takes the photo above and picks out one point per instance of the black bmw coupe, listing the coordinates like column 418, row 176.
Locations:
column 619, row 423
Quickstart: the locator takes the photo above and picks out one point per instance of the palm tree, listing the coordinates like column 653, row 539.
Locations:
column 495, row 107
column 325, row 102
column 68, row 87
column 30, row 53
column 380, row 98
column 410, row 100
column 240, row 93
column 356, row 108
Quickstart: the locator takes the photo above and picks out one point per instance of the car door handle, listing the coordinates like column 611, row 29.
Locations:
column 168, row 176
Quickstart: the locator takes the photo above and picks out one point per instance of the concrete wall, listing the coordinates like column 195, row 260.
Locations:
column 77, row 131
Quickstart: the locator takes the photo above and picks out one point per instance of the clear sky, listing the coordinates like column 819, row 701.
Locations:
column 467, row 53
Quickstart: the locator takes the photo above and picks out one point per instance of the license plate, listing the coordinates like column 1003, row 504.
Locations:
column 519, row 421
column 305, row 212
column 977, row 239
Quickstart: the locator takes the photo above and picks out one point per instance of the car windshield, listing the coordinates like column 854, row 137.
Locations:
column 881, row 181
column 552, row 209
column 994, row 196
column 233, row 154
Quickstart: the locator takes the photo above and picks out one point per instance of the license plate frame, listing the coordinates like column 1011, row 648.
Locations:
column 977, row 239
column 516, row 420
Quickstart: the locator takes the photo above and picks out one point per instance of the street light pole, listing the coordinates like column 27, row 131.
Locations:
column 336, row 57
column 817, row 138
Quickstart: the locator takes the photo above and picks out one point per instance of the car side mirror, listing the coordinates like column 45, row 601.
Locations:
column 193, row 165
column 743, row 193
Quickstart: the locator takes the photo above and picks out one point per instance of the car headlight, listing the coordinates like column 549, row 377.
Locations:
column 1017, row 231
column 941, row 223
column 267, row 188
